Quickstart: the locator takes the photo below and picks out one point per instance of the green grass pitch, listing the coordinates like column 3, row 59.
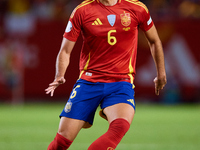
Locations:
column 155, row 127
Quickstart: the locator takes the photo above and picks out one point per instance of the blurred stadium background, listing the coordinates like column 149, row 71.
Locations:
column 30, row 37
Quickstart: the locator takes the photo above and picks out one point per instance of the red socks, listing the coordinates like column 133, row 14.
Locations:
column 112, row 137
column 107, row 141
column 59, row 143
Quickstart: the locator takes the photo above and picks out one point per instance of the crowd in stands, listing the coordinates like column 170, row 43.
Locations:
column 20, row 16
column 60, row 9
column 44, row 9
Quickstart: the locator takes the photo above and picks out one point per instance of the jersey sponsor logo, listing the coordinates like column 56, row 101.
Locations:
column 111, row 19
column 131, row 101
column 97, row 22
column 125, row 19
column 69, row 27
column 68, row 107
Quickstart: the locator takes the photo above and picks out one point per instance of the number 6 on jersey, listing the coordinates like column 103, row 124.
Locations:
column 112, row 39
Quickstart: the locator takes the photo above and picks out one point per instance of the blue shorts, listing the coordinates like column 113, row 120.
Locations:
column 87, row 96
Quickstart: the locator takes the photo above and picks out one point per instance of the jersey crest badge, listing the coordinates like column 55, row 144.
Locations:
column 125, row 19
column 68, row 107
column 111, row 19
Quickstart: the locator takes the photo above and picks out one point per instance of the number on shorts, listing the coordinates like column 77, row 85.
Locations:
column 74, row 92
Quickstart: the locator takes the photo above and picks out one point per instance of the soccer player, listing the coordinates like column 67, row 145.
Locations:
column 107, row 67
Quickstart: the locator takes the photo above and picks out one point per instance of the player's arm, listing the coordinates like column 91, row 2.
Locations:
column 158, row 56
column 62, row 62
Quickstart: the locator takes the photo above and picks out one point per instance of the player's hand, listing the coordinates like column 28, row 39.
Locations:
column 54, row 85
column 159, row 84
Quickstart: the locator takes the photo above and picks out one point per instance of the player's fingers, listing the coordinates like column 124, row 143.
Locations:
column 156, row 86
column 49, row 88
column 47, row 92
column 157, row 91
column 159, row 85
column 54, row 85
column 52, row 92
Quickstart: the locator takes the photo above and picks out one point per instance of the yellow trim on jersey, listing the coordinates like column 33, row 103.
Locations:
column 131, row 71
column 131, row 78
column 86, row 2
column 81, row 74
column 87, row 63
column 85, row 68
column 138, row 3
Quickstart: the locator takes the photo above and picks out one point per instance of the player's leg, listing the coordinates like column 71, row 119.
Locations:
column 121, row 110
column 68, row 130
column 118, row 108
column 69, row 127
column 119, row 117
column 78, row 113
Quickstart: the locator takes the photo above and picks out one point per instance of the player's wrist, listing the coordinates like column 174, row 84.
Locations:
column 59, row 75
column 57, row 78
column 161, row 74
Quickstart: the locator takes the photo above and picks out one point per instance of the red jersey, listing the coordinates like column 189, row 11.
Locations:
column 110, row 37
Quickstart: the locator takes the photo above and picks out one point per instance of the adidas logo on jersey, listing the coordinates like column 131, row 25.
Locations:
column 97, row 22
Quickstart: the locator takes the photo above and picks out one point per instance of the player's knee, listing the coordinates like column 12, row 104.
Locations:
column 67, row 135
